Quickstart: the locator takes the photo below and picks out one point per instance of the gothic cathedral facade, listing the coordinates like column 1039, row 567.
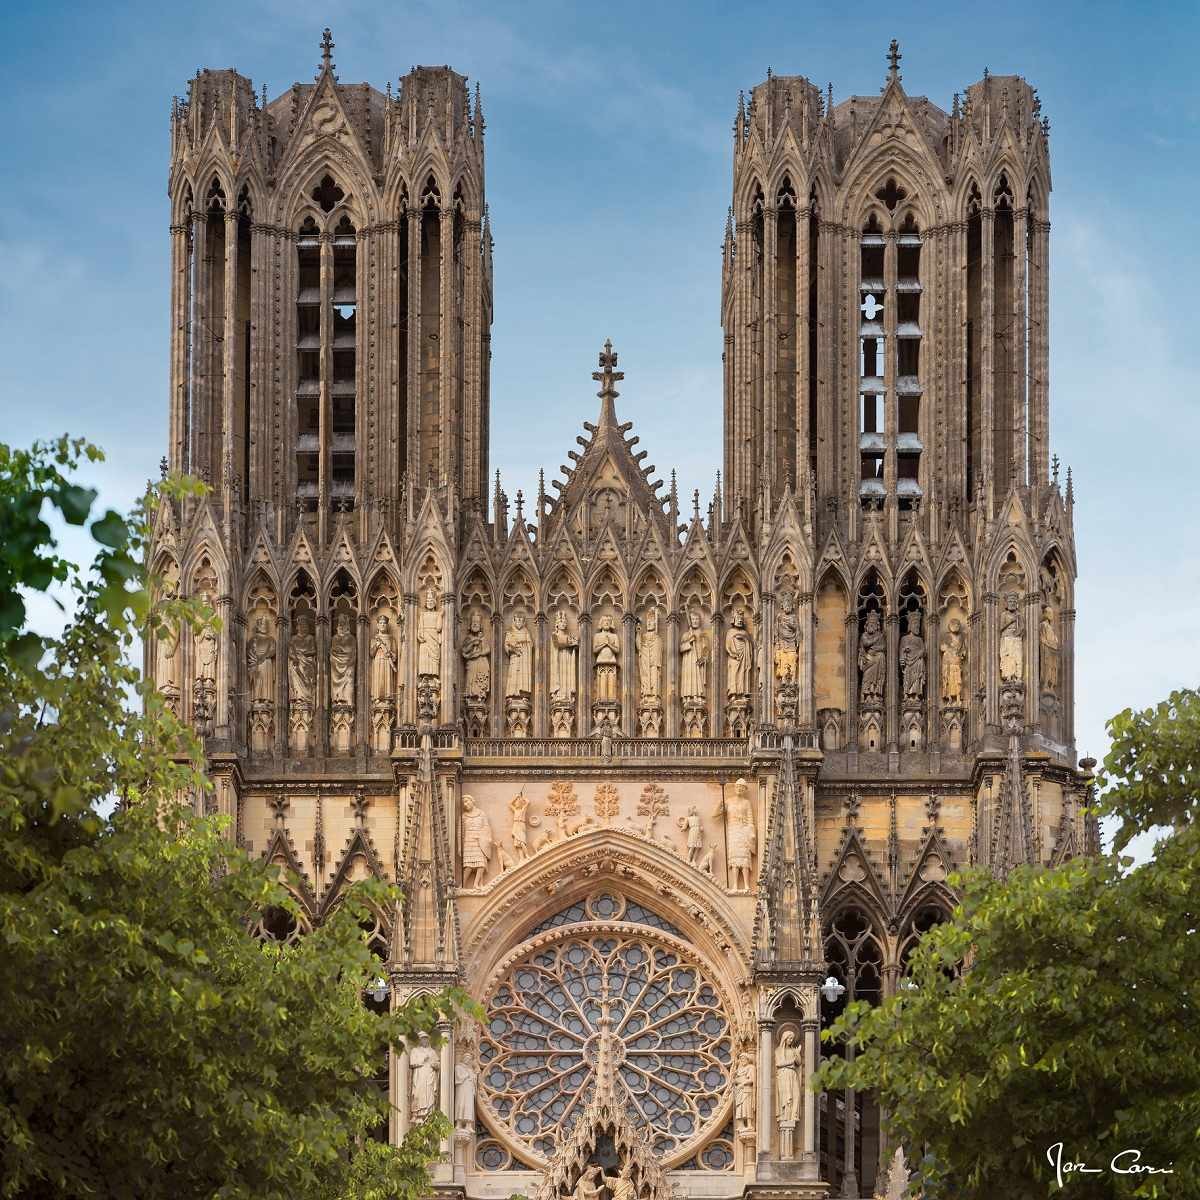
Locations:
column 647, row 773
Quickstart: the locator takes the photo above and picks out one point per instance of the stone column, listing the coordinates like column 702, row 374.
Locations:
column 629, row 686
column 497, row 699
column 671, row 697
column 449, row 660
column 446, row 1078
column 765, row 654
column 539, row 675
column 227, row 673
column 716, row 698
column 891, row 625
column 766, row 1086
column 851, row 648
column 810, row 1031
column 181, row 300
column 198, row 456
column 583, row 718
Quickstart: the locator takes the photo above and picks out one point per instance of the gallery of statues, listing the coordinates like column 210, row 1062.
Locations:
column 666, row 781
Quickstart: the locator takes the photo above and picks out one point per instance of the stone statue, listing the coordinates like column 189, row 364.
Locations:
column 343, row 658
column 954, row 653
column 518, row 646
column 622, row 1187
column 383, row 661
column 166, row 664
column 743, row 1091
column 694, row 651
column 739, row 656
column 206, row 647
column 302, row 662
column 423, row 1074
column 518, row 808
column 787, row 641
column 694, row 829
column 476, row 843
column 587, row 1186
column 871, row 658
column 1048, row 638
column 741, row 836
column 649, row 649
column 429, row 636
column 477, row 655
column 606, row 647
column 912, row 659
column 465, row 1076
column 564, row 651
column 1012, row 639
column 788, row 1058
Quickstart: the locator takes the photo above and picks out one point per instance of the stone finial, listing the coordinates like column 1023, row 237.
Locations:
column 163, row 466
column 1054, row 466
column 894, row 57
column 326, row 53
column 606, row 377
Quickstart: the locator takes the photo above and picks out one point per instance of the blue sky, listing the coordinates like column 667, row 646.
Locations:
column 608, row 179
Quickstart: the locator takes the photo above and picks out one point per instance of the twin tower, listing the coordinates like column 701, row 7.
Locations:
column 753, row 735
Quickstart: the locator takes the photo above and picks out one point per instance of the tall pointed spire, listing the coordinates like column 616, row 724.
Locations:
column 606, row 377
column 327, row 66
column 894, row 57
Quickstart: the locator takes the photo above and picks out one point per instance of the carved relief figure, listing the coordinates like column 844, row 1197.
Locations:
column 622, row 1187
column 606, row 647
column 476, row 844
column 423, row 1067
column 343, row 658
column 429, row 636
column 206, row 647
column 587, row 1186
column 564, row 652
column 787, row 641
column 261, row 649
column 1012, row 639
column 518, row 807
column 477, row 657
column 166, row 664
column 954, row 653
column 694, row 829
column 739, row 656
column 871, row 659
column 466, row 1073
column 382, row 678
column 649, row 648
column 743, row 1091
column 788, row 1058
column 302, row 662
column 518, row 646
column 741, row 836
column 912, row 659
column 694, row 651
column 1048, row 638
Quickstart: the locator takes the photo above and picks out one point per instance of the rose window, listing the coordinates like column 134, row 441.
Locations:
column 671, row 1036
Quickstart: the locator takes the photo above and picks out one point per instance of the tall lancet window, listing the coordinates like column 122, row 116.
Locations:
column 1004, row 333
column 872, row 340
column 343, row 389
column 908, row 363
column 308, row 364
column 785, row 331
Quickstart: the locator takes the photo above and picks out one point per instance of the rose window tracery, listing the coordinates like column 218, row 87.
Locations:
column 672, row 1040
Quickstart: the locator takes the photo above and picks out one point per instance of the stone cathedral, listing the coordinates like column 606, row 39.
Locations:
column 647, row 771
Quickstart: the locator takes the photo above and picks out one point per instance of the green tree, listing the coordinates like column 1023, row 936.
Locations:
column 149, row 1046
column 1075, row 1020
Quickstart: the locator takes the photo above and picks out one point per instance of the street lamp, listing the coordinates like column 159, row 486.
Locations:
column 832, row 990
column 378, row 991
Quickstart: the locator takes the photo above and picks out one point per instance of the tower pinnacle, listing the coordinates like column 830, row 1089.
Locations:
column 606, row 377
column 327, row 51
column 894, row 56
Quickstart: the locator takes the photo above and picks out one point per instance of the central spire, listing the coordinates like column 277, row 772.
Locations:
column 606, row 377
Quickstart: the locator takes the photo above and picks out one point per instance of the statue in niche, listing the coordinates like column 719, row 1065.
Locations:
column 206, row 645
column 477, row 657
column 564, row 647
column 1012, row 639
column 424, row 1071
column 912, row 659
column 476, row 844
column 743, row 1091
column 302, row 662
column 429, row 636
column 383, row 661
column 649, row 648
column 694, row 830
column 694, row 652
column 260, row 662
column 1048, row 639
column 741, row 836
column 343, row 659
column 518, row 646
column 466, row 1074
column 739, row 656
column 871, row 658
column 954, row 654
column 787, row 641
column 788, row 1058
column 606, row 647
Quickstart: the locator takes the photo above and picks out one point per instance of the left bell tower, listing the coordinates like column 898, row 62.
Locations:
column 331, row 297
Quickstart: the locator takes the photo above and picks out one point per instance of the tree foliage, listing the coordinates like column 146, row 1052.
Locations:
column 149, row 1046
column 1075, row 1019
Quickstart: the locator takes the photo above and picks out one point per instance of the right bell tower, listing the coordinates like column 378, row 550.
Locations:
column 884, row 300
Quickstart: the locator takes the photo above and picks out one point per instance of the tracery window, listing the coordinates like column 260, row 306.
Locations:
column 548, row 1002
